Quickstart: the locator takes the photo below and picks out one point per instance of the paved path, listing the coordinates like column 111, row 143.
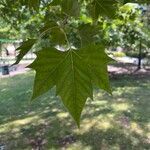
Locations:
column 15, row 70
column 121, row 68
column 125, row 65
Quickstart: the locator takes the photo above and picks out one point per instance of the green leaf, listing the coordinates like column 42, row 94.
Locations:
column 48, row 26
column 102, row 8
column 73, row 72
column 34, row 4
column 87, row 33
column 55, row 2
column 70, row 7
column 58, row 36
column 24, row 49
column 97, row 60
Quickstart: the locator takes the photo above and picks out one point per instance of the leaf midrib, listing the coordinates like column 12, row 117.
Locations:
column 73, row 78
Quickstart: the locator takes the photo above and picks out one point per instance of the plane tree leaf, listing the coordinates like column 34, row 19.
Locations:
column 34, row 4
column 87, row 33
column 55, row 2
column 48, row 26
column 70, row 7
column 24, row 49
column 54, row 32
column 73, row 72
column 57, row 36
column 102, row 8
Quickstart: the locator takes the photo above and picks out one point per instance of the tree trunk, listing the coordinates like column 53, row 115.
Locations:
column 140, row 56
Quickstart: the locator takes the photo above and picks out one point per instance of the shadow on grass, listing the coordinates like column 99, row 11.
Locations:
column 113, row 122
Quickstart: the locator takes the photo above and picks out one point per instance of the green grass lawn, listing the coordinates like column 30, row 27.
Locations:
column 118, row 122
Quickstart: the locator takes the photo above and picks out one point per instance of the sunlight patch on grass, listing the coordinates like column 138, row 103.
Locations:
column 126, row 89
column 99, row 102
column 62, row 115
column 148, row 127
column 15, row 125
column 3, row 90
column 98, row 94
column 121, row 106
column 54, row 109
column 104, row 125
column 78, row 146
column 46, row 110
column 85, row 126
column 136, row 128
column 110, row 116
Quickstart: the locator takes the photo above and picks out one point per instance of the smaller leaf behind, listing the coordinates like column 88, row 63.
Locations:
column 70, row 7
column 105, row 8
column 34, row 4
column 24, row 49
column 54, row 33
column 55, row 2
column 87, row 33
